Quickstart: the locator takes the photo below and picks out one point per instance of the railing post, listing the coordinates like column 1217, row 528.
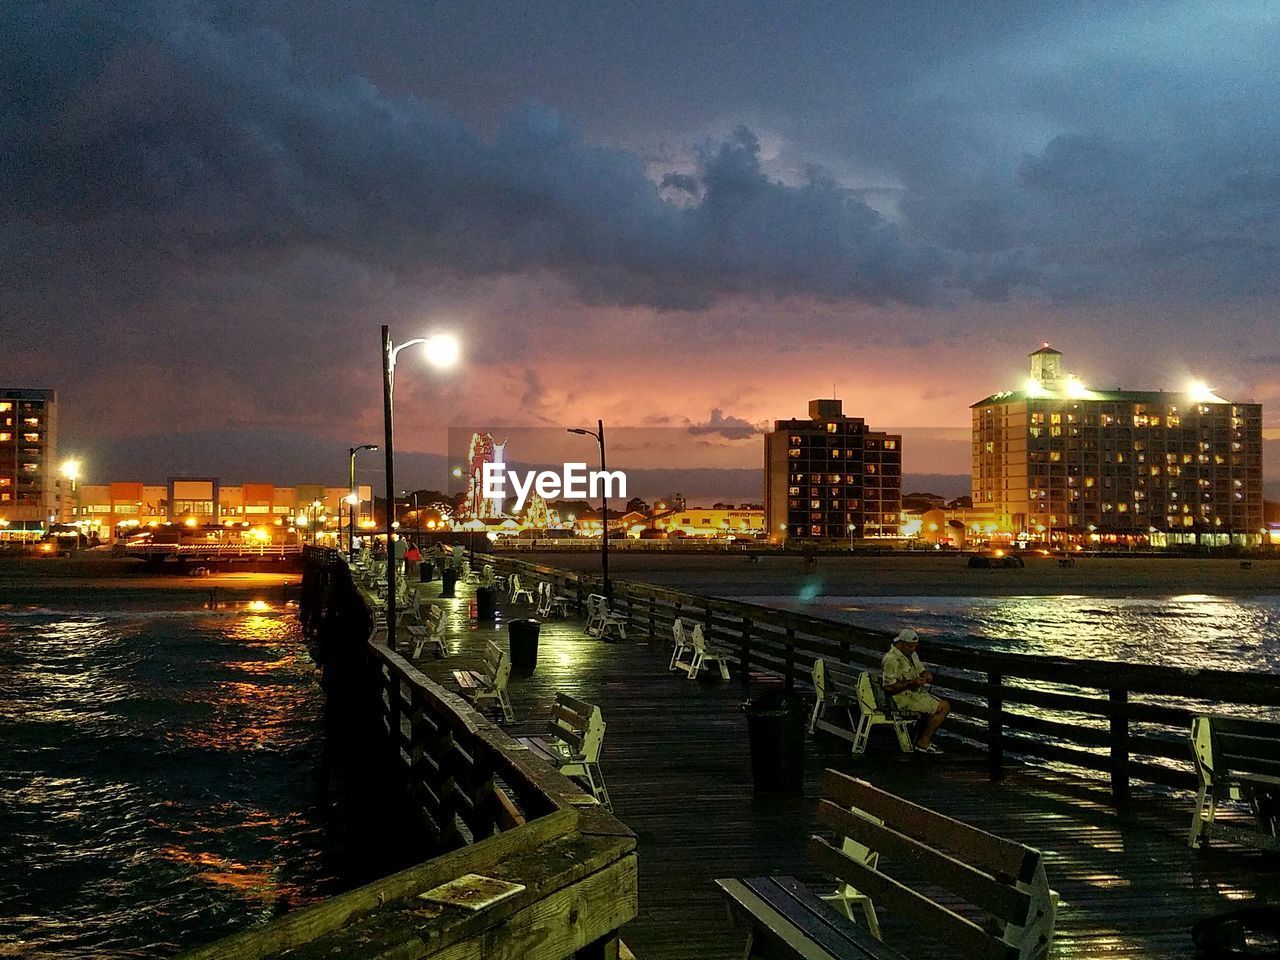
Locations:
column 995, row 725
column 1119, row 711
column 746, row 651
column 789, row 661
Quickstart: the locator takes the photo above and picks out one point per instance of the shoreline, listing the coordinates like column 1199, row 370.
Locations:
column 54, row 581
column 943, row 575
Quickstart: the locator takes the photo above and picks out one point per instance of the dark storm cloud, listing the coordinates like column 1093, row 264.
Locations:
column 144, row 136
column 728, row 427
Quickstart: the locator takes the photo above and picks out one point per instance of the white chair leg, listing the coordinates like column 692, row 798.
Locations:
column 694, row 665
column 861, row 735
column 873, row 922
column 1197, row 818
column 724, row 670
column 815, row 714
column 903, row 729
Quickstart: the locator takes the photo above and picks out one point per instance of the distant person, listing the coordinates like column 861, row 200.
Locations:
column 905, row 679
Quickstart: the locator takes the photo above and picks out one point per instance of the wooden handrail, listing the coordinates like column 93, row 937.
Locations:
column 498, row 810
column 1126, row 720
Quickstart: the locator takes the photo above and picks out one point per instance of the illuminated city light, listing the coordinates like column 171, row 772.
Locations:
column 1200, row 392
column 441, row 350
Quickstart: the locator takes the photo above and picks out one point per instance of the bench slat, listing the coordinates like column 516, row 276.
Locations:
column 572, row 719
column 764, row 903
column 960, row 933
column 571, row 738
column 580, row 707
column 1001, row 901
column 999, row 857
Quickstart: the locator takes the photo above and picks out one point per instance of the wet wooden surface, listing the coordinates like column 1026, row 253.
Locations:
column 677, row 765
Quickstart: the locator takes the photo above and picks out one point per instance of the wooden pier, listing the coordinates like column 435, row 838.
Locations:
column 677, row 765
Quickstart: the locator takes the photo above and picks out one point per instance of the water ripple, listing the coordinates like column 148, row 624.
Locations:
column 157, row 778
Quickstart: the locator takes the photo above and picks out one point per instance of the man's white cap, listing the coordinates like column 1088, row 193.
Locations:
column 907, row 636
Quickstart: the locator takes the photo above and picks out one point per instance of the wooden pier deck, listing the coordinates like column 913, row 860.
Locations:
column 677, row 765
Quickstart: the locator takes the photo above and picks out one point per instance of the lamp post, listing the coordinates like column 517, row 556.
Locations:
column 71, row 471
column 353, row 497
column 598, row 434
column 441, row 351
column 417, row 519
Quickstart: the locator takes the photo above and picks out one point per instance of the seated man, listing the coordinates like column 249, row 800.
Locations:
column 905, row 679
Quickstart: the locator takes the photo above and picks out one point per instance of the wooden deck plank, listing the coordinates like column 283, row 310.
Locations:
column 677, row 765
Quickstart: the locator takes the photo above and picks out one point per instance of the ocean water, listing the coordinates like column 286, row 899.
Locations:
column 159, row 776
column 1194, row 630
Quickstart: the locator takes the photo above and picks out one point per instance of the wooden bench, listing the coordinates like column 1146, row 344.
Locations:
column 785, row 919
column 1236, row 760
column 873, row 705
column 574, row 740
column 998, row 902
column 601, row 621
column 489, row 683
column 704, row 655
column 681, row 634
column 429, row 632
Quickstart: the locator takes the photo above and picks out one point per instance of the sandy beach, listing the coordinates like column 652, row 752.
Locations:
column 96, row 580
column 933, row 575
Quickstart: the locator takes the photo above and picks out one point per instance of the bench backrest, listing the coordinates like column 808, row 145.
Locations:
column 1000, row 878
column 698, row 641
column 678, row 631
column 1225, row 745
column 871, row 695
column 820, row 678
column 579, row 725
column 497, row 664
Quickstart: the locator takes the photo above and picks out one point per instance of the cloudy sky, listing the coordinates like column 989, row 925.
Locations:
column 662, row 214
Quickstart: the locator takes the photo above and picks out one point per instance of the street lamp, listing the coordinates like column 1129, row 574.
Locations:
column 71, row 471
column 441, row 351
column 598, row 434
column 417, row 517
column 353, row 498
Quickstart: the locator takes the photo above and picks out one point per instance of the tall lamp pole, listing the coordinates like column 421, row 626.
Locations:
column 353, row 498
column 598, row 434
column 71, row 471
column 441, row 351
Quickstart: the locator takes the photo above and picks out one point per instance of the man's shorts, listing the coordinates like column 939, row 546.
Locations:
column 916, row 701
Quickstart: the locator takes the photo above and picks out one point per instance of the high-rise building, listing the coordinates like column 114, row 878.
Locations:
column 830, row 477
column 1057, row 460
column 28, row 459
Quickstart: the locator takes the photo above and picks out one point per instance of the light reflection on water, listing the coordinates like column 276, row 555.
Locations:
column 157, row 779
column 1194, row 630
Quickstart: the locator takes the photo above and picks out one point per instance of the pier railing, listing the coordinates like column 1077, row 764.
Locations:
column 1123, row 721
column 486, row 802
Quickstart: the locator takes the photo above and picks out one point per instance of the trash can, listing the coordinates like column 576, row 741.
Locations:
column 523, row 640
column 426, row 571
column 1248, row 932
column 447, row 579
column 487, row 605
column 775, row 729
